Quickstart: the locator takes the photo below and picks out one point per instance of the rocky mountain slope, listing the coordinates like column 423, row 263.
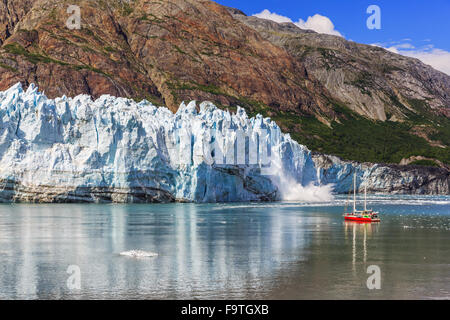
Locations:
column 359, row 102
column 165, row 51
column 369, row 80
column 402, row 95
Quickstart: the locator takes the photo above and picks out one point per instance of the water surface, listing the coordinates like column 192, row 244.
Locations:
column 226, row 251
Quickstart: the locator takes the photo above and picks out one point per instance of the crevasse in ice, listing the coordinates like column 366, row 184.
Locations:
column 114, row 149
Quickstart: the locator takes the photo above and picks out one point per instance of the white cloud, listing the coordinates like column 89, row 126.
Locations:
column 405, row 46
column 266, row 14
column 437, row 58
column 318, row 23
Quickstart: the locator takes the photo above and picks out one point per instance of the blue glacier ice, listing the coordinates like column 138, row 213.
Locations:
column 115, row 149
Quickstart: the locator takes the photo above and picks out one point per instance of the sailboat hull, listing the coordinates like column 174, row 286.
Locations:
column 361, row 219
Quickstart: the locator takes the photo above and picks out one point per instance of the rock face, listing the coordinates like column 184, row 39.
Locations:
column 388, row 88
column 11, row 12
column 370, row 80
column 117, row 150
column 378, row 178
column 167, row 52
column 180, row 50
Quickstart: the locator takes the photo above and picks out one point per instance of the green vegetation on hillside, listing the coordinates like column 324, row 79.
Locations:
column 361, row 139
column 34, row 58
column 354, row 137
column 427, row 163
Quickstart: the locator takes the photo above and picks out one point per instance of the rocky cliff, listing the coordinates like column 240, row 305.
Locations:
column 370, row 80
column 393, row 90
column 167, row 52
column 382, row 178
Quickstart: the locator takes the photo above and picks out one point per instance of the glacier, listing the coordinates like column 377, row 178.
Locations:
column 118, row 150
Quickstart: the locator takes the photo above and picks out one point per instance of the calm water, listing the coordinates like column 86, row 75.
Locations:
column 274, row 251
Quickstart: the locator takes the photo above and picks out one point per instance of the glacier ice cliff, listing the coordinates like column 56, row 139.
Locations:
column 117, row 150
column 382, row 178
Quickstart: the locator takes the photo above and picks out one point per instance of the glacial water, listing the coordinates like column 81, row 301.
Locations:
column 286, row 250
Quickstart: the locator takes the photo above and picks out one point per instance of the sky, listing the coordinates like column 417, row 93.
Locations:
column 415, row 28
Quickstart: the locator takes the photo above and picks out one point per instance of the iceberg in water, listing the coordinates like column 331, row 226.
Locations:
column 138, row 254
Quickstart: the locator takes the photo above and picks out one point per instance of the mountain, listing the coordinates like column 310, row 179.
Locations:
column 355, row 101
column 166, row 52
column 369, row 80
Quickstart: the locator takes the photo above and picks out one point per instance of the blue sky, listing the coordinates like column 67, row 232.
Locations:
column 415, row 28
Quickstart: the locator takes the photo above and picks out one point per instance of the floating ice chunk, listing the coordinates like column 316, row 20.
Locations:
column 138, row 254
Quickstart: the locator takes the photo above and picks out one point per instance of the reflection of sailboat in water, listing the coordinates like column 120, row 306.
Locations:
column 359, row 230
column 364, row 215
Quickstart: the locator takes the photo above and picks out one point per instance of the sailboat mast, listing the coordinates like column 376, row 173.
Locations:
column 365, row 198
column 354, row 193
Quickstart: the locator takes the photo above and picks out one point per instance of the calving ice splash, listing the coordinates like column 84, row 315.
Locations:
column 114, row 149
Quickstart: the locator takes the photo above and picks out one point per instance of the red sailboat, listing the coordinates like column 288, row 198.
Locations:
column 365, row 216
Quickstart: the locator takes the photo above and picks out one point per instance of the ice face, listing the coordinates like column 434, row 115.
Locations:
column 114, row 149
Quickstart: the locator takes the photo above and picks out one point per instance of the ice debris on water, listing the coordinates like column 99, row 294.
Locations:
column 138, row 254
